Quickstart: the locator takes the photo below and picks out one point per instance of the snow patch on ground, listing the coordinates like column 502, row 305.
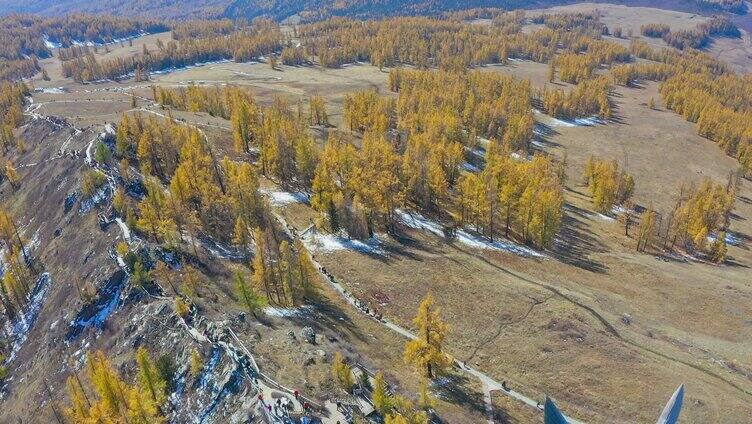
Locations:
column 208, row 373
column 319, row 242
column 218, row 250
column 287, row 312
column 589, row 121
column 605, row 217
column 130, row 37
column 50, row 90
column 95, row 315
column 520, row 157
column 732, row 239
column 35, row 242
column 281, row 198
column 418, row 221
column 83, row 43
column 80, row 354
column 89, row 158
column 185, row 68
column 19, row 330
column 577, row 122
column 469, row 167
column 616, row 210
column 98, row 197
column 49, row 43
column 124, row 228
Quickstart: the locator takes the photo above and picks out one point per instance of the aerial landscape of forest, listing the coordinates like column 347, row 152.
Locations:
column 393, row 211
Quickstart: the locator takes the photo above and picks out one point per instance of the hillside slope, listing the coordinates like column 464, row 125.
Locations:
column 154, row 8
column 315, row 9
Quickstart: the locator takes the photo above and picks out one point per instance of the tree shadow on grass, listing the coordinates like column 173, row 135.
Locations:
column 455, row 388
column 544, row 133
column 575, row 244
column 325, row 316
column 405, row 243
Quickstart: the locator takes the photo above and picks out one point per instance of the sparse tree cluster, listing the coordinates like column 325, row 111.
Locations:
column 453, row 43
column 282, row 274
column 701, row 212
column 701, row 89
column 654, row 30
column 244, row 45
column 12, row 98
column 517, row 198
column 286, row 149
column 574, row 68
column 293, row 56
column 103, row 395
column 206, row 195
column 700, row 36
column 24, row 38
column 720, row 105
column 588, row 98
column 317, row 111
column 452, row 107
column 13, row 70
column 607, row 184
column 203, row 29
column 358, row 189
column 19, row 274
column 366, row 111
column 216, row 101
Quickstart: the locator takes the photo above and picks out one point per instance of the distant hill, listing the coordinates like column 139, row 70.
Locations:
column 313, row 9
column 178, row 9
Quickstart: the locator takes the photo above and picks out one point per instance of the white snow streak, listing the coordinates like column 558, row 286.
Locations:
column 418, row 221
column 319, row 242
column 20, row 328
column 281, row 198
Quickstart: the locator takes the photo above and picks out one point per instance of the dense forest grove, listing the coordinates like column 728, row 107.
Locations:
column 406, row 147
column 26, row 38
column 306, row 10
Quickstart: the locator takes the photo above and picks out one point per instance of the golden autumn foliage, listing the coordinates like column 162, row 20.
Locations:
column 522, row 198
column 342, row 372
column 242, row 45
column 450, row 105
column 382, row 401
column 607, row 184
column 425, row 352
column 454, row 43
column 19, row 272
column 646, row 231
column 720, row 105
column 588, row 98
column 701, row 212
column 105, row 397
column 205, row 194
column 283, row 275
